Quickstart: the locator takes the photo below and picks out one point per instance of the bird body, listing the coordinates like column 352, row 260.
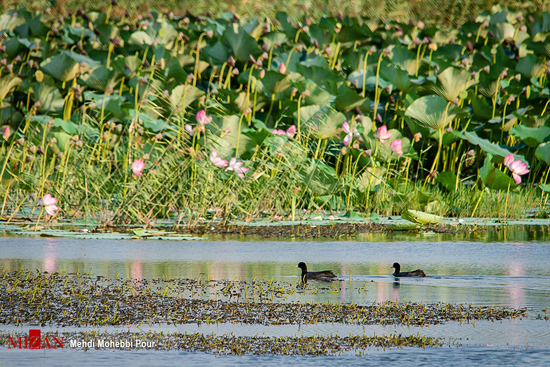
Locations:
column 314, row 275
column 399, row 273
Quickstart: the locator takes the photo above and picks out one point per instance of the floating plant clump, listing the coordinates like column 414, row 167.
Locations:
column 242, row 345
column 37, row 298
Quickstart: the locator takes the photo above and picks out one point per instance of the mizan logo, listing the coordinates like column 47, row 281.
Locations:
column 34, row 341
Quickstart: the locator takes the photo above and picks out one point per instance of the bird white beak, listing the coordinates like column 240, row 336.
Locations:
column 296, row 266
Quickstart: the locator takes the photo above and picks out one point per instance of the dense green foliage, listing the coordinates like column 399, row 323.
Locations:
column 102, row 113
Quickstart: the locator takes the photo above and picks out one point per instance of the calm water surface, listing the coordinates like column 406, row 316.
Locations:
column 512, row 272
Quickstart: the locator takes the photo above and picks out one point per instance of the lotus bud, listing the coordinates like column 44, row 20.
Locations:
column 355, row 144
column 231, row 61
column 464, row 61
column 328, row 51
column 417, row 137
column 299, row 47
column 59, row 167
column 6, row 132
column 399, row 32
column 416, row 41
column 159, row 136
column 340, row 17
column 3, row 48
column 51, row 122
column 105, row 135
column 140, row 131
column 21, row 141
column 378, row 118
column 91, row 105
column 282, row 68
column 75, row 138
column 146, row 63
column 456, row 101
column 315, row 43
column 523, row 28
column 248, row 111
column 214, row 90
column 486, row 69
column 510, row 99
column 259, row 63
column 251, row 59
column 79, row 144
column 145, row 156
column 306, row 93
column 344, row 151
column 485, row 24
column 305, row 29
column 420, row 25
column 367, row 152
column 531, row 19
column 474, row 74
column 293, row 92
column 33, row 149
column 118, row 128
column 433, row 174
column 449, row 129
column 190, row 78
column 59, row 155
column 262, row 73
column 264, row 56
column 210, row 33
column 503, row 74
column 265, row 47
column 109, row 90
column 9, row 67
column 235, row 72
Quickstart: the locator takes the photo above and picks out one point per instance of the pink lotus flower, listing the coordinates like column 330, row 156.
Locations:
column 6, row 132
column 49, row 202
column 236, row 167
column 137, row 167
column 202, row 118
column 382, row 134
column 217, row 161
column 517, row 167
column 290, row 132
column 397, row 146
column 349, row 133
column 189, row 130
column 282, row 68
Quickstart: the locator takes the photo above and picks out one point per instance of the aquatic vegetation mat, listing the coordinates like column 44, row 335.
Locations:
column 238, row 345
column 36, row 298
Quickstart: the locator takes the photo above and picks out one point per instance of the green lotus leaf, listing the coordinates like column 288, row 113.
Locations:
column 451, row 82
column 422, row 218
column 404, row 58
column 347, row 98
column 229, row 125
column 449, row 181
column 324, row 123
column 9, row 22
column 319, row 178
column 404, row 226
column 275, row 82
column 141, row 39
column 217, row 54
column 494, row 178
column 101, row 78
column 274, row 38
column 242, row 44
column 485, row 145
column 543, row 152
column 61, row 67
column 433, row 112
column 182, row 96
column 545, row 187
column 7, row 83
column 531, row 66
column 532, row 136
column 398, row 77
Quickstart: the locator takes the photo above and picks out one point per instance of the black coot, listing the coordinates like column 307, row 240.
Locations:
column 314, row 275
column 399, row 273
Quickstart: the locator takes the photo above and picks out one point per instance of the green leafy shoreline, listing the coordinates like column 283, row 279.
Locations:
column 188, row 117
